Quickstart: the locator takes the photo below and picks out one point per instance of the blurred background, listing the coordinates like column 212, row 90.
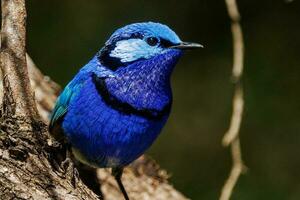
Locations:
column 64, row 34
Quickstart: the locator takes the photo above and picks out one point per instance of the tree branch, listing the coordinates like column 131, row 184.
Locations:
column 17, row 90
column 46, row 91
column 231, row 137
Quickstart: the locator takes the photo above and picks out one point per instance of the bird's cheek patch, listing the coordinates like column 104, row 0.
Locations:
column 133, row 49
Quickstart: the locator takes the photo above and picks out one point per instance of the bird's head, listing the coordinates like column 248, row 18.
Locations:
column 141, row 41
column 139, row 59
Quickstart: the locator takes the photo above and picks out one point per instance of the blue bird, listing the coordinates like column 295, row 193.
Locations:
column 117, row 104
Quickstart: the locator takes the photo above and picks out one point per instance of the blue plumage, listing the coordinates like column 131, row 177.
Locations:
column 116, row 106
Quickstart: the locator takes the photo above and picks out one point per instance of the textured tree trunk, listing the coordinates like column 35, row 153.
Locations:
column 28, row 168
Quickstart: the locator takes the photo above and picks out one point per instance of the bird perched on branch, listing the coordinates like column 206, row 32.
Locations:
column 117, row 104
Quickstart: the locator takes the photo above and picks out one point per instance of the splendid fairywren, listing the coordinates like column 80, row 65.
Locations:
column 115, row 107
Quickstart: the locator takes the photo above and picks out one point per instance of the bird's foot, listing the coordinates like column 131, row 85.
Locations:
column 117, row 173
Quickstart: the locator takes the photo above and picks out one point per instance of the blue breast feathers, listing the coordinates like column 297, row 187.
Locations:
column 105, row 136
column 111, row 118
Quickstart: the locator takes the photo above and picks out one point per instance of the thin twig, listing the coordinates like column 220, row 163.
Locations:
column 231, row 137
column 236, row 117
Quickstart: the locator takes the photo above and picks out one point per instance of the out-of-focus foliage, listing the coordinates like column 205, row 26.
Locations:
column 64, row 34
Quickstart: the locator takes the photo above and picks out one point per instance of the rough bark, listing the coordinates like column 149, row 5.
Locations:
column 13, row 60
column 28, row 168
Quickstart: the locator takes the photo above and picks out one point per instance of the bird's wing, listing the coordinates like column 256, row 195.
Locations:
column 73, row 88
column 61, row 107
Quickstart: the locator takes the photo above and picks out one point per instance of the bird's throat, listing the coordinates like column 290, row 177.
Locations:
column 145, row 85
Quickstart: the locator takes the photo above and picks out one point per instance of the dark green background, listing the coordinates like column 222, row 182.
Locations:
column 64, row 34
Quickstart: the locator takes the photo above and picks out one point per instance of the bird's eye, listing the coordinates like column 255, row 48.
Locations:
column 152, row 41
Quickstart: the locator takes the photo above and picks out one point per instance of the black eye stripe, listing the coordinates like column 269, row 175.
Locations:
column 114, row 63
column 165, row 43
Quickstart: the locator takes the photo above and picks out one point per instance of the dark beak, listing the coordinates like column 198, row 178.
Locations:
column 187, row 45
